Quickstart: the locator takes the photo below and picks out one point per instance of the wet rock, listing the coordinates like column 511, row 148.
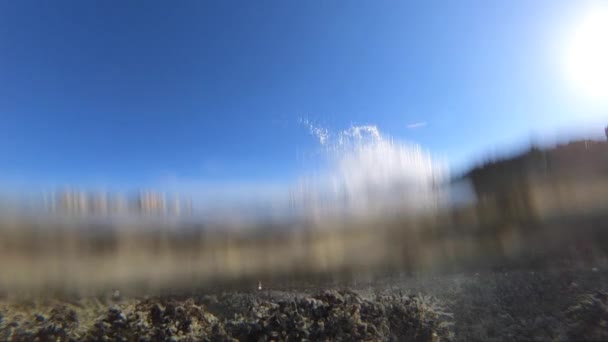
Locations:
column 329, row 315
column 589, row 317
column 340, row 316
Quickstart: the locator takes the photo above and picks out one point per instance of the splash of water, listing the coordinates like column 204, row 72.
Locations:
column 367, row 173
column 360, row 172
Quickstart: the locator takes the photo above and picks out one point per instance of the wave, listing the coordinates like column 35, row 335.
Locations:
column 366, row 173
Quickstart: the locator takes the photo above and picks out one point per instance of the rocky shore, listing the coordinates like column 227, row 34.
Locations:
column 499, row 306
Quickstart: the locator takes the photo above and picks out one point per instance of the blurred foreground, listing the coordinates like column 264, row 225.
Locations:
column 525, row 260
column 543, row 207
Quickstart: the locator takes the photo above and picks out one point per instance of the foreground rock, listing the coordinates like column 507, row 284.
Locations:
column 549, row 305
column 330, row 315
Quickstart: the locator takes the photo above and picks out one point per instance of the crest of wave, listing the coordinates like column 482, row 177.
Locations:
column 368, row 174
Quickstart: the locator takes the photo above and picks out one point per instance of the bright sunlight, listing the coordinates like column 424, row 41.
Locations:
column 587, row 55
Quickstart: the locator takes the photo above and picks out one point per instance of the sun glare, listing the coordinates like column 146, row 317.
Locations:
column 587, row 55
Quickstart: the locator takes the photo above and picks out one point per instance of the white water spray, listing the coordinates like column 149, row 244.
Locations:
column 367, row 173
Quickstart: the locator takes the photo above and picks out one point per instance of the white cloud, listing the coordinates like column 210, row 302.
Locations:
column 418, row 124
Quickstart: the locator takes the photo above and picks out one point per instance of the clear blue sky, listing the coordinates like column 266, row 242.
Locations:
column 129, row 93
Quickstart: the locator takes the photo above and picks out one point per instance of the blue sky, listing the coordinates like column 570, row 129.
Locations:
column 128, row 93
